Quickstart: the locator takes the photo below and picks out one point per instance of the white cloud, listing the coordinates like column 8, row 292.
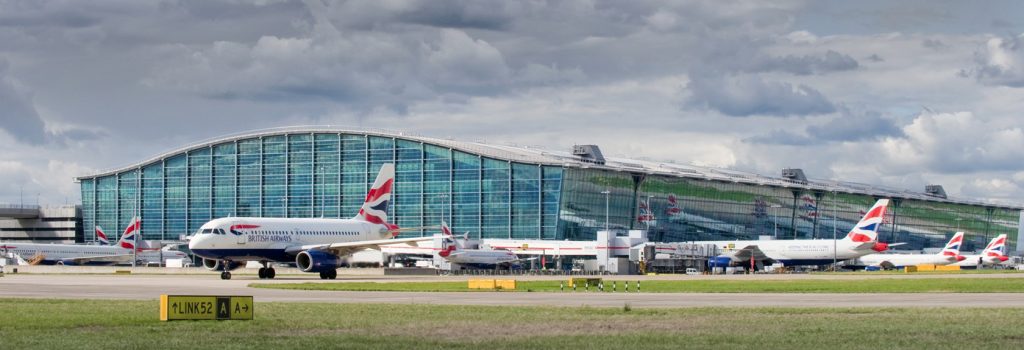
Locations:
column 1001, row 62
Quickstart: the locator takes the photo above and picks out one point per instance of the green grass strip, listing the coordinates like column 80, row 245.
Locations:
column 95, row 324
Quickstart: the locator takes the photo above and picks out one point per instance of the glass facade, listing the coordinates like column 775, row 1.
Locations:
column 323, row 174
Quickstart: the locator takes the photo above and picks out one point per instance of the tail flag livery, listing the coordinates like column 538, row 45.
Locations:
column 375, row 208
column 446, row 248
column 996, row 250
column 101, row 237
column 128, row 238
column 952, row 248
column 673, row 206
column 866, row 230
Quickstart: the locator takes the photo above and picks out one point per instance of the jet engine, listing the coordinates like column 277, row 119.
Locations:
column 215, row 265
column 317, row 261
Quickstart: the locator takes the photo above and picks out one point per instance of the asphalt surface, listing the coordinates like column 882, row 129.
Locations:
column 150, row 287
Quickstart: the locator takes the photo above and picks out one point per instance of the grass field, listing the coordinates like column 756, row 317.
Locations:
column 93, row 324
column 881, row 285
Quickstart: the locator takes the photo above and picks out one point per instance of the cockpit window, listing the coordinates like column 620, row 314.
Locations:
column 220, row 231
column 206, row 230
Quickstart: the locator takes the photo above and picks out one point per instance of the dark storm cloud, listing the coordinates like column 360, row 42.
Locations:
column 747, row 95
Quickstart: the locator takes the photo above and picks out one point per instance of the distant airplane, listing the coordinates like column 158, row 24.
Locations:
column 950, row 254
column 993, row 254
column 82, row 254
column 315, row 245
column 454, row 252
column 861, row 240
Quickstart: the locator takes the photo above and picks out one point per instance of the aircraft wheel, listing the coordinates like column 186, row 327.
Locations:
column 323, row 275
column 271, row 273
column 332, row 274
column 262, row 273
column 225, row 275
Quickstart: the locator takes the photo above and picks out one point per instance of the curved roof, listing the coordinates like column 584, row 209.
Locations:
column 526, row 154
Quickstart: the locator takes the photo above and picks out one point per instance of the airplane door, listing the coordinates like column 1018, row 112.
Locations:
column 240, row 239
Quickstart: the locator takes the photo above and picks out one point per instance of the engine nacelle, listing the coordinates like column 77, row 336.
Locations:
column 317, row 261
column 720, row 261
column 215, row 265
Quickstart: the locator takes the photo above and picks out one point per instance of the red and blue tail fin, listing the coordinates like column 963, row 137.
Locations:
column 996, row 250
column 101, row 237
column 952, row 248
column 128, row 238
column 375, row 207
column 866, row 230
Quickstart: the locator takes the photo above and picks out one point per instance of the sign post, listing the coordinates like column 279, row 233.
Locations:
column 205, row 307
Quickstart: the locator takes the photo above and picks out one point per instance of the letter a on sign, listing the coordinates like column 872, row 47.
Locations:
column 223, row 308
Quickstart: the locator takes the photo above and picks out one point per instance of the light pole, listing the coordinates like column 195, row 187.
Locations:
column 834, row 244
column 650, row 212
column 775, row 219
column 444, row 198
column 607, row 196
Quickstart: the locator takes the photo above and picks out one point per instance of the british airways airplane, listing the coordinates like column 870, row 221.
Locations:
column 861, row 240
column 950, row 254
column 103, row 254
column 315, row 245
column 992, row 255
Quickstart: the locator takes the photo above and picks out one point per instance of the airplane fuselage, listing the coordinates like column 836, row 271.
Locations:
column 800, row 251
column 65, row 254
column 481, row 257
column 900, row 260
column 269, row 239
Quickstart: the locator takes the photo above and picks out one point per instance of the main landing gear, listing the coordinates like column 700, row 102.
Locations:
column 225, row 275
column 267, row 272
column 329, row 275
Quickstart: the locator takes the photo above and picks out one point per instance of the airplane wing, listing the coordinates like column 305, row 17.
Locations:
column 347, row 248
column 744, row 254
column 119, row 258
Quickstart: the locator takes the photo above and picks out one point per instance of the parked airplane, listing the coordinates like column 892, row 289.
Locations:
column 101, row 237
column 80, row 254
column 455, row 252
column 950, row 254
column 861, row 240
column 315, row 245
column 994, row 254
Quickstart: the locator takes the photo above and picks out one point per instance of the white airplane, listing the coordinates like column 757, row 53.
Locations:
column 81, row 254
column 861, row 240
column 315, row 245
column 950, row 254
column 993, row 254
column 454, row 252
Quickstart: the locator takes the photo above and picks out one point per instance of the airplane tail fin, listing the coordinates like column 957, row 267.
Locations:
column 128, row 238
column 866, row 230
column 996, row 249
column 101, row 236
column 952, row 248
column 375, row 207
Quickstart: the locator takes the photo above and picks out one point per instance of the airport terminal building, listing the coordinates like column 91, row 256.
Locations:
column 500, row 191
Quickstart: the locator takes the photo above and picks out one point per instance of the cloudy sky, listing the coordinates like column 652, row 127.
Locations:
column 901, row 94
